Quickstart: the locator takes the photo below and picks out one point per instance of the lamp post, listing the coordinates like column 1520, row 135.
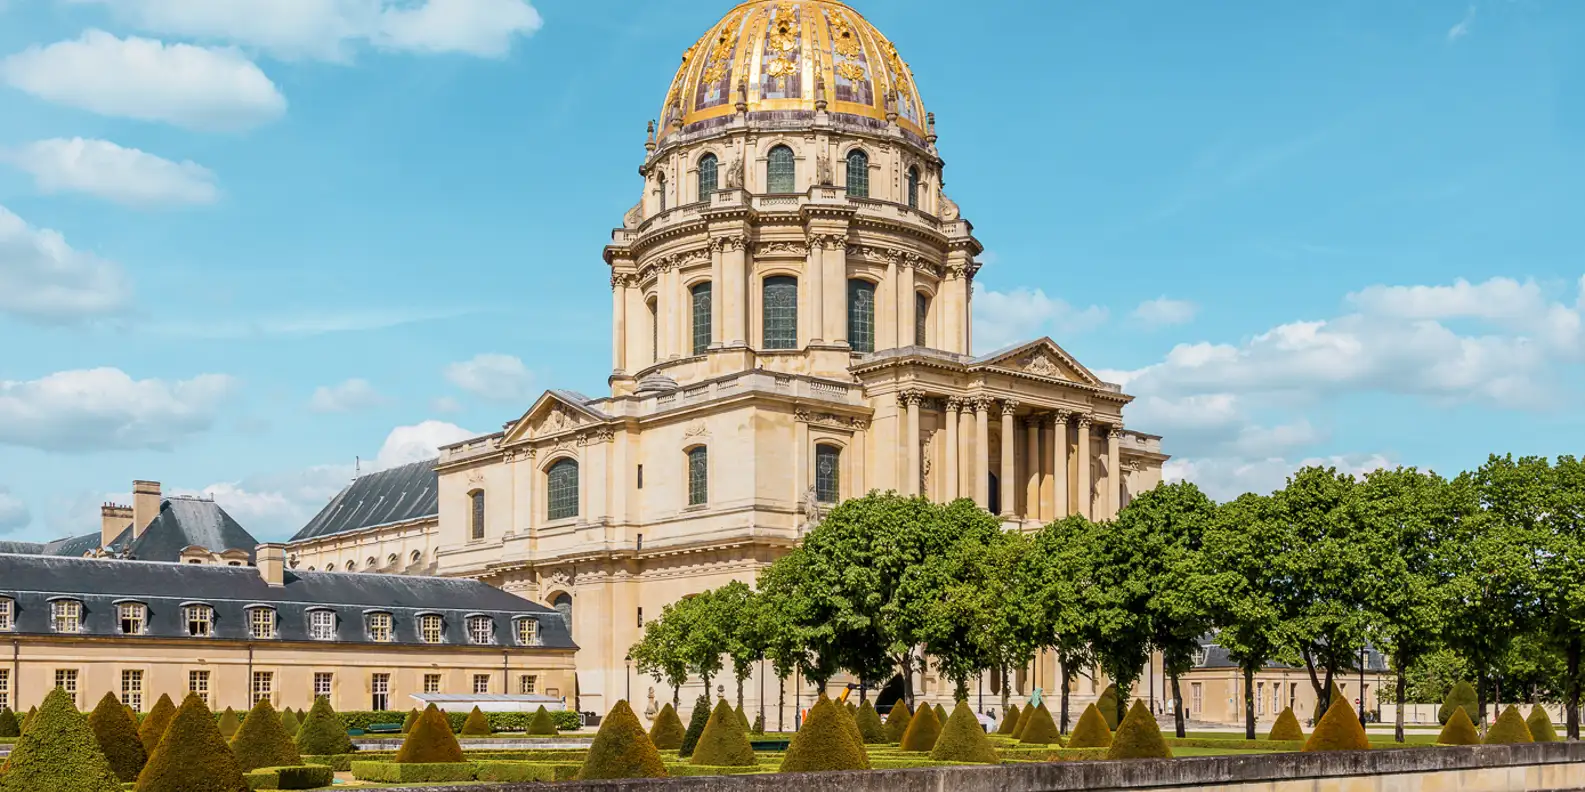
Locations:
column 1364, row 657
column 628, row 662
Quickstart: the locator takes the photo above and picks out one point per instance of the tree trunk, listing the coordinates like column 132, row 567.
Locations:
column 1321, row 693
column 676, row 696
column 1480, row 697
column 1067, row 682
column 1179, row 717
column 1249, row 703
column 908, row 680
column 740, row 692
column 1571, row 716
column 1007, row 693
column 1403, row 686
column 781, row 706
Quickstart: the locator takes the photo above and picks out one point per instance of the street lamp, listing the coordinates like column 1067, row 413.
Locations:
column 628, row 662
column 1364, row 657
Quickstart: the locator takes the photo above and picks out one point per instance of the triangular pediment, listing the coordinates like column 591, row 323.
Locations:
column 1041, row 358
column 552, row 414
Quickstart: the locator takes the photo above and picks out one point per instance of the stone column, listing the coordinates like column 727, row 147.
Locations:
column 1086, row 484
column 815, row 274
column 718, row 293
column 910, row 400
column 1059, row 463
column 618, row 323
column 835, row 260
column 966, row 459
column 950, row 493
column 982, row 452
column 1048, row 487
column 1032, row 468
column 666, row 303
column 1114, row 473
column 734, row 303
column 1009, row 476
column 905, row 304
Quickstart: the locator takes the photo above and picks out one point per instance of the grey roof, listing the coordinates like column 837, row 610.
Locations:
column 1217, row 657
column 185, row 522
column 390, row 496
column 26, row 548
column 32, row 581
column 73, row 545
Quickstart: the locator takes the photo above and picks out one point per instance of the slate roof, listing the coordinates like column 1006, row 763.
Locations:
column 390, row 496
column 1216, row 657
column 32, row 581
column 184, row 522
column 26, row 548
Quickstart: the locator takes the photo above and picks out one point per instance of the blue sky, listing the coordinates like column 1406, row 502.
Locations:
column 243, row 242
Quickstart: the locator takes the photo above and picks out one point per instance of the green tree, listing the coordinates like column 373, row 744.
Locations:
column 1118, row 603
column 735, row 606
column 786, row 640
column 660, row 652
column 1241, row 585
column 1059, row 566
column 953, row 597
column 323, row 732
column 1560, row 579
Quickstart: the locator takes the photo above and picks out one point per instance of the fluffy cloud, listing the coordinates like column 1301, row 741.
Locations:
column 1163, row 311
column 101, row 409
column 328, row 29
column 1003, row 318
column 492, row 376
column 43, row 279
column 1229, row 477
column 417, row 442
column 14, row 514
column 349, row 396
column 209, row 88
column 124, row 175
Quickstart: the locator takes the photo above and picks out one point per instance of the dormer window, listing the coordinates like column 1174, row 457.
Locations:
column 380, row 627
column 481, row 630
column 66, row 616
column 134, row 617
column 322, row 625
column 8, row 618
column 200, row 620
column 430, row 628
column 261, row 622
column 527, row 632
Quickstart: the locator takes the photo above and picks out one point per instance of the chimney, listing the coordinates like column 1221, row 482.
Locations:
column 113, row 519
column 271, row 560
column 145, row 505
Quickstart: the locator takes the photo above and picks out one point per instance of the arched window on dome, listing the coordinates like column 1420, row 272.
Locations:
column 708, row 178
column 780, row 312
column 858, row 174
column 781, row 171
column 561, row 490
column 654, row 331
column 921, row 318
column 660, row 180
column 913, row 188
column 701, row 317
column 861, row 315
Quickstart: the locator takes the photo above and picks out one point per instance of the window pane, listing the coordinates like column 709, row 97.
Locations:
column 858, row 174
column 913, row 188
column 921, row 315
column 707, row 176
column 478, row 515
column 781, row 313
column 781, row 175
column 701, row 318
column 654, row 333
column 861, row 315
column 661, row 180
column 563, row 490
column 828, row 473
column 698, row 476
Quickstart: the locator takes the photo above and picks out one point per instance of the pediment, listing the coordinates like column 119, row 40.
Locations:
column 551, row 415
column 1041, row 358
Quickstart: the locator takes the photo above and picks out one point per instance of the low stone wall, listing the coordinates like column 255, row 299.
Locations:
column 1545, row 767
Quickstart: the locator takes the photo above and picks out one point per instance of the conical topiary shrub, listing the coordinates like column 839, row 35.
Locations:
column 9, row 725
column 263, row 740
column 759, row 724
column 27, row 720
column 667, row 731
column 1540, row 725
column 871, row 729
column 941, row 715
column 476, row 725
column 1462, row 694
column 58, row 751
column 1041, row 729
column 742, row 717
column 154, row 723
column 323, row 731
column 621, row 749
column 412, row 718
column 1107, row 704
column 118, row 738
column 1009, row 722
column 1508, row 728
column 1338, row 729
column 897, row 721
column 696, row 722
column 724, row 742
column 1459, row 730
column 192, row 756
column 824, row 743
column 290, row 723
column 1090, row 731
column 963, row 739
column 1138, row 736
column 1023, row 721
column 542, row 725
column 1287, row 727
column 851, row 723
column 131, row 714
column 922, row 731
column 229, row 723
column 430, row 741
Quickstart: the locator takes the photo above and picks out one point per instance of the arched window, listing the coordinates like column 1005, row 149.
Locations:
column 858, row 174
column 654, row 331
column 913, row 188
column 476, row 525
column 415, row 557
column 698, row 476
column 781, row 312
column 828, row 473
column 701, row 317
column 921, row 318
column 861, row 315
column 562, row 602
column 707, row 177
column 781, row 171
column 660, row 180
column 562, row 490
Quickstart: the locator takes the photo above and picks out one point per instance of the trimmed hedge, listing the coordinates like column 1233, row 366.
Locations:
column 301, row 777
column 1338, row 729
column 407, row 722
column 850, row 724
column 290, row 723
column 499, row 721
column 1090, row 731
column 58, row 753
column 1540, row 725
column 1459, row 730
column 1107, row 704
column 118, row 739
column 1138, row 736
column 542, row 725
column 394, row 773
column 871, row 729
column 897, row 721
column 263, row 741
column 621, row 749
column 742, row 718
column 823, row 744
column 430, row 741
column 1463, row 695
column 667, row 731
column 192, row 756
column 963, row 739
column 1009, row 722
column 525, row 771
column 229, row 723
column 696, row 723
column 323, row 732
column 1041, row 729
column 155, row 723
column 922, row 731
column 1287, row 727
column 724, row 742
column 1023, row 721
column 476, row 725
column 1509, row 728
column 9, row 725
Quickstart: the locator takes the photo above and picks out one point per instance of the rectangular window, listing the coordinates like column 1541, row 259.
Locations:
column 5, row 688
column 200, row 620
column 481, row 630
column 132, row 688
column 380, row 627
column 701, row 318
column 323, row 682
column 828, row 473
column 641, row 616
column 921, row 319
column 198, row 685
column 1197, row 698
column 261, row 623
column 322, row 625
column 527, row 632
column 640, row 476
column 67, row 616
column 861, row 315
column 780, row 298
column 263, row 686
column 431, row 683
column 1293, row 693
column 132, row 617
column 380, row 690
column 698, row 476
column 481, row 684
column 1260, row 698
column 478, row 515
column 526, row 684
column 66, row 679
column 7, row 615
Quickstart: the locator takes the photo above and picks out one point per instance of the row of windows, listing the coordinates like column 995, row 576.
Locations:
column 781, row 176
column 779, row 298
column 66, row 616
column 373, row 564
column 262, row 686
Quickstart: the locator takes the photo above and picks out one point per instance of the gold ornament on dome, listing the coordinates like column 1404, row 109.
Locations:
column 725, row 43
column 784, row 29
column 852, row 72
column 842, row 38
column 898, row 68
column 781, row 70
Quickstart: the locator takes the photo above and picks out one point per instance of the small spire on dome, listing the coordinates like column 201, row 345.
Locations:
column 742, row 95
column 930, row 127
column 820, row 83
column 649, row 142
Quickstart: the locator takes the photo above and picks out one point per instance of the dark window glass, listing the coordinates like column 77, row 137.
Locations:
column 858, row 174
column 781, row 312
column 698, row 476
column 861, row 315
column 654, row 333
column 563, row 605
column 913, row 188
column 701, row 318
column 828, row 473
column 562, row 490
column 707, row 176
column 478, row 515
column 661, row 180
column 921, row 315
column 781, row 172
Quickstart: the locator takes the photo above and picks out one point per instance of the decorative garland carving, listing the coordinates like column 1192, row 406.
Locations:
column 830, row 420
column 787, row 248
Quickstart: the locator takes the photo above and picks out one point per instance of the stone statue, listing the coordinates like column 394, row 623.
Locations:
column 650, row 709
column 812, row 514
column 734, row 174
column 823, row 170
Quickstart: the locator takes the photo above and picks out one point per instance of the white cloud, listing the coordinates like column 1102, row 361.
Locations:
column 100, row 409
column 1461, row 29
column 1004, row 318
column 417, row 442
column 446, row 404
column 124, row 175
column 328, row 29
column 492, row 376
column 43, row 279
column 349, row 396
column 208, row 88
column 14, row 514
column 1227, row 478
column 1163, row 311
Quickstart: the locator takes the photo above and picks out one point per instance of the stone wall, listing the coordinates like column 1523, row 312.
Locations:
column 1547, row 767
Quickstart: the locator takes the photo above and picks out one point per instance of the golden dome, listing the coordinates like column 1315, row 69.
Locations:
column 784, row 53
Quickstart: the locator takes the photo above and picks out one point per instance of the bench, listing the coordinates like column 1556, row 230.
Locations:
column 383, row 728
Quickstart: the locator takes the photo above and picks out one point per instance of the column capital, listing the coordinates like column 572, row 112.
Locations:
column 1009, row 406
column 1059, row 417
column 1085, row 419
column 981, row 404
column 911, row 397
column 1114, row 431
column 954, row 404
